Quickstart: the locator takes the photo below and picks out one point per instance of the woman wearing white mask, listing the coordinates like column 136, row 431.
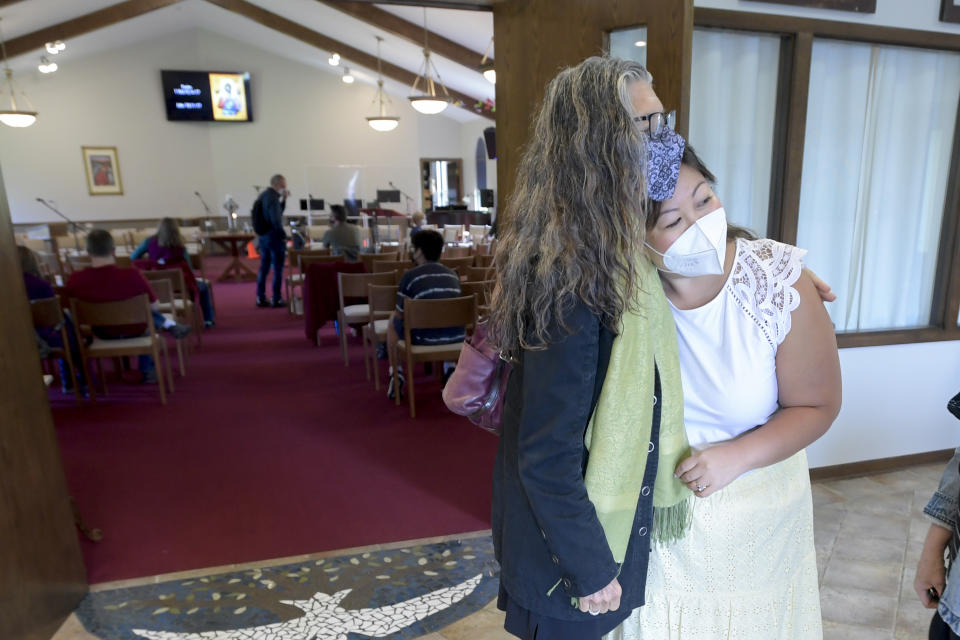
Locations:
column 756, row 348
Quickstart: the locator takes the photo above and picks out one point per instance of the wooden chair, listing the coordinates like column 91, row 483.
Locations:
column 133, row 311
column 382, row 300
column 457, row 264
column 477, row 274
column 354, row 285
column 124, row 262
column 484, row 259
column 47, row 314
column 167, row 299
column 455, row 252
column 196, row 264
column 482, row 290
column 305, row 260
column 452, row 232
column 182, row 308
column 434, row 313
column 478, row 233
column 400, row 266
column 294, row 279
column 78, row 263
column 369, row 258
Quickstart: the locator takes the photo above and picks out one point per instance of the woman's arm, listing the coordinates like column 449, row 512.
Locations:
column 808, row 375
column 141, row 249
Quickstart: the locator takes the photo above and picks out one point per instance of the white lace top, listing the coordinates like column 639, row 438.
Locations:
column 728, row 347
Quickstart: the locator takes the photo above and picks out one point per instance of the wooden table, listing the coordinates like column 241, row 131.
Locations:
column 234, row 243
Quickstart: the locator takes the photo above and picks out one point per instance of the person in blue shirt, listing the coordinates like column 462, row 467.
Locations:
column 428, row 280
column 273, row 244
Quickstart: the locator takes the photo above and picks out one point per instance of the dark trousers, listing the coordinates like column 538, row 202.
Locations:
column 272, row 253
column 206, row 304
column 939, row 629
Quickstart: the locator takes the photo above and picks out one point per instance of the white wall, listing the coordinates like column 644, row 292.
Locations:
column 905, row 14
column 307, row 125
column 894, row 397
column 469, row 134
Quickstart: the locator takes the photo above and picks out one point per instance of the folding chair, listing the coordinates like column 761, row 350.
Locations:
column 382, row 299
column 436, row 313
column 47, row 314
column 354, row 285
column 133, row 311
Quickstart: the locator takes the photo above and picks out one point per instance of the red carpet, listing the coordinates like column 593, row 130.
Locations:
column 269, row 447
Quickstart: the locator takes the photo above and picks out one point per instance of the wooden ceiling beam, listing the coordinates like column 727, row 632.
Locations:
column 409, row 31
column 84, row 24
column 304, row 34
column 467, row 5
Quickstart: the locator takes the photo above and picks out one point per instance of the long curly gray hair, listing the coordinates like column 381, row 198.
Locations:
column 576, row 221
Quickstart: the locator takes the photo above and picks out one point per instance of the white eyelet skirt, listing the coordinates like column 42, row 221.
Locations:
column 746, row 570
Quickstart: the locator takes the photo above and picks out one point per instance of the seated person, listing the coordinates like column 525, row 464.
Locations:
column 104, row 281
column 167, row 249
column 428, row 280
column 416, row 222
column 40, row 289
column 342, row 238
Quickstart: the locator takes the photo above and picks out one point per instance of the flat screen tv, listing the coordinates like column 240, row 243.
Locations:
column 207, row 96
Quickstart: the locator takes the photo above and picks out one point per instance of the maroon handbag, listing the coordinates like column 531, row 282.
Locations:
column 479, row 383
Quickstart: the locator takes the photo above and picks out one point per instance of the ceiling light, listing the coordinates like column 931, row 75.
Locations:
column 487, row 68
column 53, row 48
column 427, row 101
column 381, row 121
column 640, row 43
column 14, row 116
column 46, row 66
column 334, row 59
column 347, row 76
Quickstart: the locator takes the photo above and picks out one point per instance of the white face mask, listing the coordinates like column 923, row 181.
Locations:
column 700, row 250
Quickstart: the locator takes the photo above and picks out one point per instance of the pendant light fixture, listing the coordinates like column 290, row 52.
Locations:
column 487, row 68
column 14, row 116
column 381, row 121
column 428, row 101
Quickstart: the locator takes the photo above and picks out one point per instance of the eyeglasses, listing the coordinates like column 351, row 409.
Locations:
column 658, row 122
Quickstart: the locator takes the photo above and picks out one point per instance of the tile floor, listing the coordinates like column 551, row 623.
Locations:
column 869, row 532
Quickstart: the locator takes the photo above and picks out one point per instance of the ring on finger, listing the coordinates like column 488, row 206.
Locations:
column 700, row 487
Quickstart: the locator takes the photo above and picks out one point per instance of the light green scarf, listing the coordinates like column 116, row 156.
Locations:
column 618, row 435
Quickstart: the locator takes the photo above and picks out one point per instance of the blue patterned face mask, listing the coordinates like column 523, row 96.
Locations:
column 664, row 154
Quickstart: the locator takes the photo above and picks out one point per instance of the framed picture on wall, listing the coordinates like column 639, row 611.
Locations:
column 860, row 6
column 950, row 11
column 103, row 171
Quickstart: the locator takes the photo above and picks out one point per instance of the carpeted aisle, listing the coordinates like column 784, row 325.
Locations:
column 268, row 448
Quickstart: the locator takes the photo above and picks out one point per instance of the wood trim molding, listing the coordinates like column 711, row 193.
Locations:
column 296, row 30
column 84, row 24
column 409, row 31
column 750, row 21
column 897, row 336
column 795, row 134
column 880, row 465
column 947, row 287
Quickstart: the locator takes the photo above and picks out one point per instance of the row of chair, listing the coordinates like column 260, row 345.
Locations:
column 380, row 291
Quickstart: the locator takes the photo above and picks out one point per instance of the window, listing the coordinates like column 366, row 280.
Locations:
column 733, row 103
column 879, row 134
column 630, row 44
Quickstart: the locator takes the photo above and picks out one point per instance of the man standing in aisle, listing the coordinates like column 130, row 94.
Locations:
column 272, row 241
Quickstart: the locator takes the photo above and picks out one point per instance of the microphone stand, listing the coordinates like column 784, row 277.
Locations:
column 403, row 193
column 73, row 225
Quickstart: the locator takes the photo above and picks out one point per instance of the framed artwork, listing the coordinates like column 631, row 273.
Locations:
column 950, row 11
column 103, row 171
column 860, row 6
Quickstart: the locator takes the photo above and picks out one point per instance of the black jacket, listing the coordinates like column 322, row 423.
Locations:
column 545, row 529
column 273, row 208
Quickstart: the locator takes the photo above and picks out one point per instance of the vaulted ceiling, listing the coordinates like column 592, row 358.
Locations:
column 305, row 31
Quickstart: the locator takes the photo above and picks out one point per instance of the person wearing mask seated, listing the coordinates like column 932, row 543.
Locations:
column 104, row 281
column 428, row 280
column 167, row 249
column 40, row 289
column 342, row 238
